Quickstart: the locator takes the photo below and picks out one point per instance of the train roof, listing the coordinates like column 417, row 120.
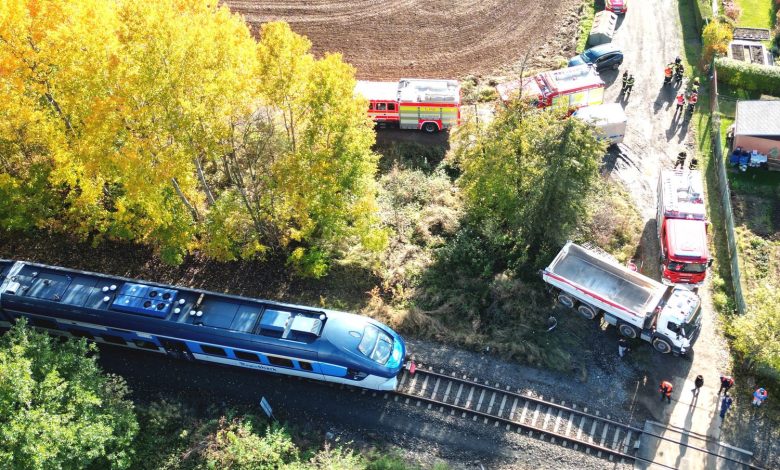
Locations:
column 113, row 295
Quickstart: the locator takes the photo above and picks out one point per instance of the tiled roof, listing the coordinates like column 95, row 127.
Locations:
column 761, row 118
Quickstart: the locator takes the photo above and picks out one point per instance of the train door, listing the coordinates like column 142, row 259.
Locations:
column 176, row 349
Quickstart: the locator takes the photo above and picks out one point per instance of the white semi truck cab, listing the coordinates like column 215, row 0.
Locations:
column 668, row 317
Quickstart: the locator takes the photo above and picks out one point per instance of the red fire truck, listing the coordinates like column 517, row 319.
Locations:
column 682, row 228
column 428, row 105
column 570, row 88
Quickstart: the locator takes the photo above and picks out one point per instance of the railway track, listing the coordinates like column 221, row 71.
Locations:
column 560, row 424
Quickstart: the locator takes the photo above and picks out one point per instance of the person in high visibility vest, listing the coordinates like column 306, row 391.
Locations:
column 666, row 391
column 680, row 104
column 759, row 396
column 726, row 382
column 668, row 74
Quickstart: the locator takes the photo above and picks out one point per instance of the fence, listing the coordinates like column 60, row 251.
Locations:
column 725, row 193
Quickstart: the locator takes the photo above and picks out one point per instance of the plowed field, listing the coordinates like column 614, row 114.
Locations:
column 424, row 38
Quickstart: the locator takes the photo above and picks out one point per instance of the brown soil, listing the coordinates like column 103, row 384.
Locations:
column 389, row 39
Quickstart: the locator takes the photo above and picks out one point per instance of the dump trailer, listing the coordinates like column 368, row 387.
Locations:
column 590, row 282
column 682, row 228
column 410, row 103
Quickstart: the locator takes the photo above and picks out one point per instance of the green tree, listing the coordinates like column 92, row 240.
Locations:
column 526, row 179
column 757, row 332
column 57, row 409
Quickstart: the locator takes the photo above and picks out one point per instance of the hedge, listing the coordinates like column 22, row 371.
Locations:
column 761, row 78
column 702, row 13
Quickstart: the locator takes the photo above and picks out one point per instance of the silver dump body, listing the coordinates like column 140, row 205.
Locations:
column 602, row 282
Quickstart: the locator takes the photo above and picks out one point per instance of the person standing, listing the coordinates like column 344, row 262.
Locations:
column 666, row 391
column 725, row 404
column 726, row 382
column 759, row 396
column 622, row 347
column 625, row 81
column 697, row 384
column 680, row 163
column 680, row 104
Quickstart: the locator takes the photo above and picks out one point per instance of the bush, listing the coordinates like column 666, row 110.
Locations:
column 716, row 37
column 732, row 10
column 760, row 78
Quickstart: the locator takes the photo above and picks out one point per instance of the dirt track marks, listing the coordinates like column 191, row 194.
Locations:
column 433, row 38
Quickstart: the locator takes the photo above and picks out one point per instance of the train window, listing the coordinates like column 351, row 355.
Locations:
column 144, row 344
column 246, row 356
column 81, row 334
column 391, row 106
column 43, row 323
column 381, row 106
column 113, row 339
column 280, row 361
column 305, row 365
column 213, row 350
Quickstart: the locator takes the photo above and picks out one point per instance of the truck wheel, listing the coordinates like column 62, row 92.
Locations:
column 627, row 330
column 430, row 127
column 566, row 300
column 662, row 346
column 587, row 312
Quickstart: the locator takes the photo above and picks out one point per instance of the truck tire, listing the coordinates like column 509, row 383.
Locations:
column 587, row 312
column 627, row 330
column 566, row 300
column 662, row 346
column 430, row 127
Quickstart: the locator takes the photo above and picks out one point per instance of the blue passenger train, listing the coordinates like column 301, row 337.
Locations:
column 198, row 325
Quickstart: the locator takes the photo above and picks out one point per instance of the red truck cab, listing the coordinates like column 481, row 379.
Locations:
column 618, row 7
column 682, row 228
column 684, row 252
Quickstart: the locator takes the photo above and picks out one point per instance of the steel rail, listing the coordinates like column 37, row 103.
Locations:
column 552, row 405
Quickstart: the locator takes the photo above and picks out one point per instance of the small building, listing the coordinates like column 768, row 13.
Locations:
column 757, row 127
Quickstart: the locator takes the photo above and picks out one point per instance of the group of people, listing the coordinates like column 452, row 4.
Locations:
column 726, row 382
column 676, row 69
column 680, row 163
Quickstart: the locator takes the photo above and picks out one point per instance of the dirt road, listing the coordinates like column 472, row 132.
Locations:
column 389, row 39
column 650, row 36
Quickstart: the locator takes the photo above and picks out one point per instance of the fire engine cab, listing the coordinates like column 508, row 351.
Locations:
column 682, row 228
column 428, row 105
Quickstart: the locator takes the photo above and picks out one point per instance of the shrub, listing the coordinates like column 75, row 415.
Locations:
column 716, row 36
column 732, row 10
column 751, row 77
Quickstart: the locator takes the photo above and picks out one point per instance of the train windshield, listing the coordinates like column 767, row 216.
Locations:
column 375, row 344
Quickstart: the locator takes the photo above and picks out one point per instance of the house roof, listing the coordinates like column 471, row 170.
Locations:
column 759, row 118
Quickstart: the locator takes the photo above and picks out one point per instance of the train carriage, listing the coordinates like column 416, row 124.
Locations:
column 205, row 326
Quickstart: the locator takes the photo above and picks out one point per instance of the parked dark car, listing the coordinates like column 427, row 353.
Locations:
column 605, row 56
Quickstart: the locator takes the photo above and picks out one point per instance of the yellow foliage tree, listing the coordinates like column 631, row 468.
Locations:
column 164, row 122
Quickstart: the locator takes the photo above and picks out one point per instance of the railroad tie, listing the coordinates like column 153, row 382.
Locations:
column 592, row 432
column 446, row 394
column 468, row 401
column 435, row 388
column 557, row 422
column 457, row 397
column 615, row 440
column 547, row 415
column 581, row 427
column 512, row 413
column 501, row 407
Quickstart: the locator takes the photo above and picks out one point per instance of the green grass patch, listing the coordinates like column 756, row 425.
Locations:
column 756, row 13
column 589, row 8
